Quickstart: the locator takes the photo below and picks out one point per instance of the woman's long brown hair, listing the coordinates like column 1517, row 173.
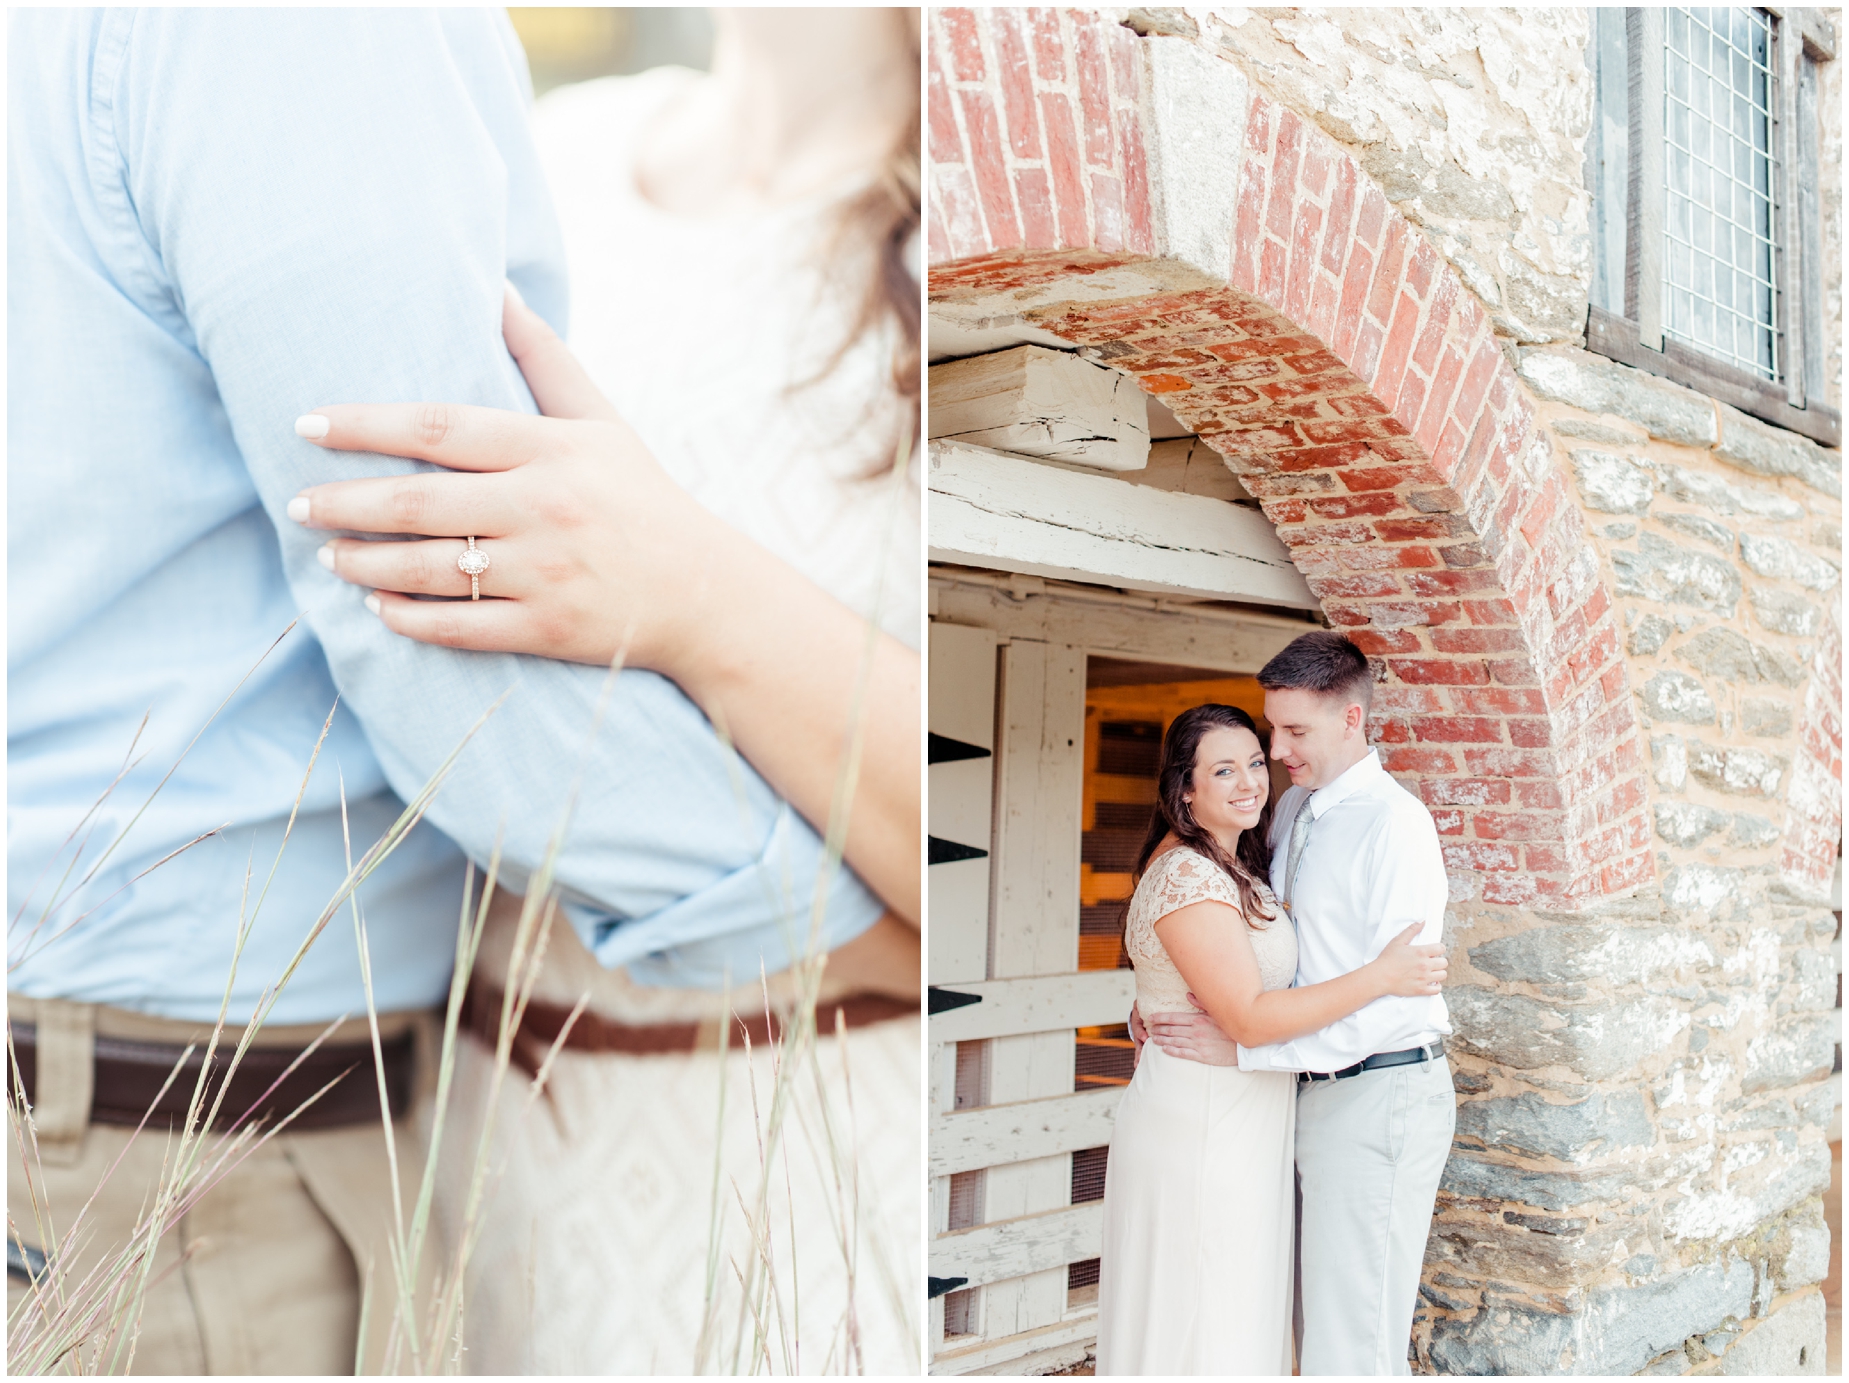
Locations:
column 1250, row 862
column 885, row 219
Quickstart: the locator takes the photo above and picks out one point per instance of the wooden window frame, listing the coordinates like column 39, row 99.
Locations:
column 1802, row 38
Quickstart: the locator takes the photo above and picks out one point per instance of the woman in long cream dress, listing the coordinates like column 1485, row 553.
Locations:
column 1195, row 1272
column 741, row 247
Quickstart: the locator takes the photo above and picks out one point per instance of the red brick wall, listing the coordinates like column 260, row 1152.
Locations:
column 1356, row 386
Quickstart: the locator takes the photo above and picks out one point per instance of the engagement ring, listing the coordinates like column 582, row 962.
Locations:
column 473, row 563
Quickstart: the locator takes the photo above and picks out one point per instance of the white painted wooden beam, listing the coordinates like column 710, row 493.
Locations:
column 999, row 1134
column 990, row 509
column 1015, row 1248
column 1040, row 402
column 1018, row 1354
column 1171, row 635
column 1041, row 1003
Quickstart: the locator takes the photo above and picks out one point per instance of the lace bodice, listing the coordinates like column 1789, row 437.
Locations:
column 1173, row 881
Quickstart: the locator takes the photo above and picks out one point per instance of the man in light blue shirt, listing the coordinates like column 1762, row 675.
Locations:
column 217, row 220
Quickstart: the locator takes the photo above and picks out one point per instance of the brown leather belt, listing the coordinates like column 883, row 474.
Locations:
column 129, row 1076
column 541, row 1024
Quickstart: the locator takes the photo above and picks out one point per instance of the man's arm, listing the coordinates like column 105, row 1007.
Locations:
column 1404, row 877
column 335, row 221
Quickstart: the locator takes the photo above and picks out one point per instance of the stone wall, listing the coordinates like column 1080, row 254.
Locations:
column 1641, row 1146
column 1641, row 1053
column 1471, row 121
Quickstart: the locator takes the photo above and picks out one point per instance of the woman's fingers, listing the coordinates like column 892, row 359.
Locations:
column 457, row 435
column 500, row 625
column 428, row 505
column 426, row 568
column 560, row 386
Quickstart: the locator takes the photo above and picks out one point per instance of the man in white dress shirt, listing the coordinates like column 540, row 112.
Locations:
column 1355, row 859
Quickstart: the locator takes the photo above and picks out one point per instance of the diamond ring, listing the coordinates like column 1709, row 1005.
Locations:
column 473, row 563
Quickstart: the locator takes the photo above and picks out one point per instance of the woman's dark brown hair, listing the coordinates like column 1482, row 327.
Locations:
column 885, row 219
column 1250, row 862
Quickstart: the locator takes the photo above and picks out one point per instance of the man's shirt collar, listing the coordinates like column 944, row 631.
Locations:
column 1355, row 777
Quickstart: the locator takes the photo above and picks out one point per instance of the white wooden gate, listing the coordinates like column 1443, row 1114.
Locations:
column 1007, row 668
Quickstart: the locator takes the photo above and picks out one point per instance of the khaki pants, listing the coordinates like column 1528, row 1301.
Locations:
column 263, row 1275
column 1371, row 1151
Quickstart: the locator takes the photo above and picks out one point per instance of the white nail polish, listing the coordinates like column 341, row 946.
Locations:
column 372, row 603
column 298, row 509
column 311, row 426
column 325, row 556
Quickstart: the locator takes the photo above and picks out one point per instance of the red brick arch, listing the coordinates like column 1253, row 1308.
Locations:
column 1356, row 386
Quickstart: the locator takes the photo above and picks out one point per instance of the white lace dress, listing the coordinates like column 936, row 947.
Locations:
column 1199, row 1203
column 594, row 1259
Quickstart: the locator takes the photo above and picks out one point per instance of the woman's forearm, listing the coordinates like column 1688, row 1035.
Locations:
column 1278, row 1015
column 823, row 705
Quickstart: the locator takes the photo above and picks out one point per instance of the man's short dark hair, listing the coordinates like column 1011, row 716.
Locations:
column 1323, row 662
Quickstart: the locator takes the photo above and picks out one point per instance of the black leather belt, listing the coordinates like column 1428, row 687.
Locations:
column 1430, row 1052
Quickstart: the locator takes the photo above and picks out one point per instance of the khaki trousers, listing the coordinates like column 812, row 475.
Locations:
column 264, row 1274
column 1371, row 1151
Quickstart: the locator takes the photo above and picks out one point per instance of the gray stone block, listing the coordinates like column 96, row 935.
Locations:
column 1689, row 823
column 1479, row 1179
column 1573, row 1132
column 1589, row 951
column 1669, row 762
column 1616, row 1330
column 1589, row 431
column 1677, row 696
column 1651, row 633
column 1701, row 887
column 1614, row 484
column 1750, row 830
column 1750, row 772
column 1785, row 612
column 1765, row 450
column 1786, row 561
column 1815, row 973
column 1660, row 570
column 1801, row 1048
column 1720, row 653
column 1599, row 386
column 1827, row 534
column 1761, row 716
column 1806, row 1255
column 1595, row 1041
column 1818, row 1104
column 1788, row 1343
column 1707, row 530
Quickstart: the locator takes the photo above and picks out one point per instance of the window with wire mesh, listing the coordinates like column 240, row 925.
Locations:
column 1719, row 289
column 960, row 1313
column 1088, row 1166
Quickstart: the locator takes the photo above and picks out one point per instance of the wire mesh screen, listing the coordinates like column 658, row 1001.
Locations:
column 960, row 1313
column 1088, row 1166
column 965, row 1200
column 1131, row 747
column 1718, row 282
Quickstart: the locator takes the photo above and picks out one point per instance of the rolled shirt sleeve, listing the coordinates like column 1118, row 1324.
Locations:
column 334, row 226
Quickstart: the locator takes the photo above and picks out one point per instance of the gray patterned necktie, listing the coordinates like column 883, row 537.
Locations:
column 1299, row 833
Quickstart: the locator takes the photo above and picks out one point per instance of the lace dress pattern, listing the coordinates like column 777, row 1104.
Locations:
column 1173, row 881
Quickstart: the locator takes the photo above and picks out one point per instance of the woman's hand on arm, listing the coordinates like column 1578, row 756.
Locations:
column 594, row 553
column 1210, row 947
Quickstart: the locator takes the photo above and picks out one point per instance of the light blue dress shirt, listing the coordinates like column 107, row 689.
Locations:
column 217, row 220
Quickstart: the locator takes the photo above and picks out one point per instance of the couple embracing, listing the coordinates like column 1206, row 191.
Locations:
column 1288, row 1013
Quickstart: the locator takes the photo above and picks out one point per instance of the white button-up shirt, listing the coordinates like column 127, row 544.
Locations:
column 1370, row 868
